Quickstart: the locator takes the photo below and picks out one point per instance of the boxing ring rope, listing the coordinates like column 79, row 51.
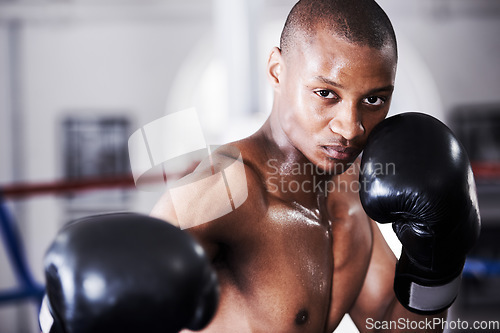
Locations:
column 61, row 187
column 482, row 171
column 28, row 288
column 486, row 170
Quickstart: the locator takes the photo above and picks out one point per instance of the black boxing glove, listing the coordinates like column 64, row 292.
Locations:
column 416, row 175
column 126, row 273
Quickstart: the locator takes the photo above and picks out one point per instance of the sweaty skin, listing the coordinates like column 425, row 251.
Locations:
column 294, row 257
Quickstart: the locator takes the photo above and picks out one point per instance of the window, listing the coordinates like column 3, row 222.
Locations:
column 95, row 149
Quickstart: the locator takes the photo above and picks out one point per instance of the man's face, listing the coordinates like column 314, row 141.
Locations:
column 331, row 94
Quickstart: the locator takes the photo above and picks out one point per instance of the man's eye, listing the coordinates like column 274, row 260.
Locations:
column 325, row 93
column 374, row 100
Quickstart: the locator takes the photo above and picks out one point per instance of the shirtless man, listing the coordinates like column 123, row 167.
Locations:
column 300, row 252
column 281, row 214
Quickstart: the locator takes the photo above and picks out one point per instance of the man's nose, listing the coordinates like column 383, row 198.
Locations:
column 346, row 121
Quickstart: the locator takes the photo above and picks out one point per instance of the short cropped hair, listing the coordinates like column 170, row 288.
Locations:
column 361, row 22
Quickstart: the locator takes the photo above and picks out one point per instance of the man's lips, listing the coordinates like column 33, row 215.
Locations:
column 339, row 152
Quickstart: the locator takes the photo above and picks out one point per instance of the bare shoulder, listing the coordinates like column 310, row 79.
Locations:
column 224, row 187
column 350, row 224
column 343, row 192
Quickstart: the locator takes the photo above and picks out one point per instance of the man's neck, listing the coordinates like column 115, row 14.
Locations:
column 289, row 174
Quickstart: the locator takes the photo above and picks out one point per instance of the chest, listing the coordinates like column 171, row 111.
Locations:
column 293, row 266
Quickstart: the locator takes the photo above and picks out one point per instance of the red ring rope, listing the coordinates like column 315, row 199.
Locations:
column 482, row 171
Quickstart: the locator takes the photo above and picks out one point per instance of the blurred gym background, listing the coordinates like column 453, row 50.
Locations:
column 78, row 77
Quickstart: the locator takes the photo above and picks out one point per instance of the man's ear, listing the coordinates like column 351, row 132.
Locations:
column 274, row 67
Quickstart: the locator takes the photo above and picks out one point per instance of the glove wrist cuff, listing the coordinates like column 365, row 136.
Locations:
column 45, row 317
column 423, row 295
column 424, row 299
column 48, row 322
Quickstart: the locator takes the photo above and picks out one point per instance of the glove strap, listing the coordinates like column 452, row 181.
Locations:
column 425, row 296
column 426, row 299
column 48, row 322
column 45, row 317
